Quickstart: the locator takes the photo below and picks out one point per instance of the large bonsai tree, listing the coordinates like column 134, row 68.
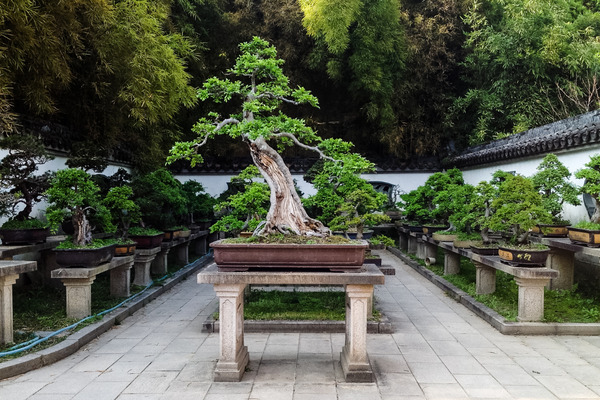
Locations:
column 258, row 81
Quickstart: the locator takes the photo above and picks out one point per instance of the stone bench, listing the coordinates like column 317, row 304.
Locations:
column 78, row 284
column 230, row 286
column 9, row 273
column 531, row 281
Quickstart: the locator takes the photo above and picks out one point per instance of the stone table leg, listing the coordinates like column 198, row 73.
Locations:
column 451, row 263
column 402, row 241
column 485, row 279
column 233, row 357
column 141, row 266
column 430, row 250
column 159, row 265
column 79, row 296
column 199, row 246
column 354, row 358
column 564, row 262
column 120, row 279
column 420, row 249
column 531, row 299
column 6, row 307
column 183, row 253
column 412, row 244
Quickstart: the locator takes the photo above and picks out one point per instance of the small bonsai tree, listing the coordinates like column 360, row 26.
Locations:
column 344, row 200
column 73, row 194
column 245, row 209
column 199, row 204
column 591, row 186
column 517, row 208
column 161, row 199
column 478, row 211
column 124, row 211
column 20, row 187
column 552, row 181
column 258, row 82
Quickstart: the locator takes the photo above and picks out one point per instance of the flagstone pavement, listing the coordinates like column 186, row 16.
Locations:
column 439, row 350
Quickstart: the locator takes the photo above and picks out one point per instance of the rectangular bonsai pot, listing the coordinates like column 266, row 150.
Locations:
column 584, row 236
column 296, row 256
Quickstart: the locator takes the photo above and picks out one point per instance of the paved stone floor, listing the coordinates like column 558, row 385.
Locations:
column 439, row 350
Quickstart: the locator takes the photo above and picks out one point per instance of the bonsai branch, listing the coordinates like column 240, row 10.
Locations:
column 304, row 146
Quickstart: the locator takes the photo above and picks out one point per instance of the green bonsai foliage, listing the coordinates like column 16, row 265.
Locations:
column 478, row 211
column 517, row 208
column 160, row 198
column 73, row 194
column 200, row 204
column 382, row 240
column 436, row 200
column 552, row 181
column 20, row 187
column 244, row 210
column 124, row 211
column 344, row 200
column 591, row 186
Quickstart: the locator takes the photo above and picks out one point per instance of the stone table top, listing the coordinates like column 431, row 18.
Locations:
column 14, row 250
column 368, row 274
column 78, row 273
column 15, row 267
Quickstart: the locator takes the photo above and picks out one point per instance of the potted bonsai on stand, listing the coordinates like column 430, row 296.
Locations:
column 124, row 212
column 517, row 208
column 72, row 194
column 258, row 81
column 588, row 233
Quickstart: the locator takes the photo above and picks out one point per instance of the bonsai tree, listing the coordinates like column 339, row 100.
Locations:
column 73, row 194
column 344, row 200
column 552, row 181
column 591, row 186
column 257, row 81
column 124, row 211
column 434, row 201
column 161, row 199
column 244, row 210
column 199, row 204
column 517, row 208
column 20, row 187
column 478, row 210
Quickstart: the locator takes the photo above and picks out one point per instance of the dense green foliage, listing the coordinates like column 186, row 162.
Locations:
column 418, row 77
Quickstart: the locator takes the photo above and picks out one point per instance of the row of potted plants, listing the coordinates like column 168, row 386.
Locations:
column 504, row 212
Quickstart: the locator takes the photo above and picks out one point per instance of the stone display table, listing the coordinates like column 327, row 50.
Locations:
column 530, row 280
column 142, row 263
column 9, row 273
column 8, row 252
column 229, row 287
column 181, row 247
column 78, row 284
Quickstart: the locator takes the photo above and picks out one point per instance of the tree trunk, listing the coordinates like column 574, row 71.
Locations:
column 82, row 234
column 286, row 214
column 596, row 216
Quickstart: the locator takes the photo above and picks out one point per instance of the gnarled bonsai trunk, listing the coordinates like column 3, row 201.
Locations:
column 82, row 234
column 286, row 213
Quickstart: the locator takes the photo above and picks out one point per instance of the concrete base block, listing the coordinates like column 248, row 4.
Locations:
column 355, row 371
column 232, row 371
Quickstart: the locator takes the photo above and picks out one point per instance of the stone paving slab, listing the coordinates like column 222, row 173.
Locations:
column 439, row 350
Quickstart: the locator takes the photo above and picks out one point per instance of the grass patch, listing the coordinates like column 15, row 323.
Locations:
column 559, row 305
column 297, row 306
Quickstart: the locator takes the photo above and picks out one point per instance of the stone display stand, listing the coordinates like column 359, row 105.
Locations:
column 181, row 247
column 531, row 281
column 8, row 252
column 78, row 284
column 142, row 262
column 9, row 273
column 229, row 287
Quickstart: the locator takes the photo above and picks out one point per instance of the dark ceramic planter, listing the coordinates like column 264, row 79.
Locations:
column 585, row 237
column 244, row 256
column 147, row 241
column 374, row 261
column 84, row 257
column 484, row 251
column 168, row 235
column 522, row 257
column 430, row 229
column 367, row 234
column 415, row 228
column 24, row 236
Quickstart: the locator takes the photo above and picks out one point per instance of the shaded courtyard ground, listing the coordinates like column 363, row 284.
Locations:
column 439, row 350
